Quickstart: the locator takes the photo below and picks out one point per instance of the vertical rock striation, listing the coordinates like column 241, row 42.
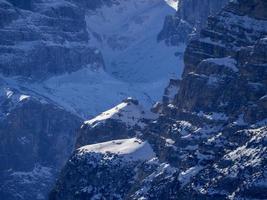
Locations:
column 190, row 17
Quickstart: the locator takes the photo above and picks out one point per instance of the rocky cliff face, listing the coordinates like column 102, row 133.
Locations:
column 209, row 141
column 120, row 122
column 52, row 75
column 190, row 17
column 36, row 139
column 40, row 39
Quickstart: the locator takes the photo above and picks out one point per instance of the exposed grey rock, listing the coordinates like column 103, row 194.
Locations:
column 190, row 17
column 37, row 137
column 45, row 39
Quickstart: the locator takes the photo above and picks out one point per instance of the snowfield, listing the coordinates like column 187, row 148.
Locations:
column 129, row 149
column 127, row 38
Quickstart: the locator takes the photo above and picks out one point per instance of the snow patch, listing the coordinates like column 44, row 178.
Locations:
column 130, row 149
column 185, row 176
column 23, row 97
column 226, row 62
column 128, row 112
column 173, row 4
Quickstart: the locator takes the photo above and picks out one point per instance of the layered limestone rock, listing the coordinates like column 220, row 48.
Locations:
column 209, row 141
column 40, row 39
column 190, row 17
column 218, row 124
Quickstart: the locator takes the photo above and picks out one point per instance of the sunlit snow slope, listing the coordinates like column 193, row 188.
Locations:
column 127, row 37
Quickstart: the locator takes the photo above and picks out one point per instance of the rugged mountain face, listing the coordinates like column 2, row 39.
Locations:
column 40, row 39
column 209, row 141
column 120, row 122
column 36, row 139
column 57, row 66
column 190, row 17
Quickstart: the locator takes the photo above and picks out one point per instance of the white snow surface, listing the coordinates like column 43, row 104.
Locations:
column 127, row 34
column 128, row 112
column 173, row 3
column 23, row 97
column 132, row 149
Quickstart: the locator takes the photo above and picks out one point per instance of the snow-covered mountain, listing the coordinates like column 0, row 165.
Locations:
column 208, row 140
column 62, row 62
column 67, row 61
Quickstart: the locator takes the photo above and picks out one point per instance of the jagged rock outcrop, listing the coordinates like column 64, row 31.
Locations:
column 209, row 141
column 190, row 17
column 121, row 122
column 40, row 39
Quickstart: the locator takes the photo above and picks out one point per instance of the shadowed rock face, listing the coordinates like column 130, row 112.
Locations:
column 196, row 12
column 39, row 39
column 36, row 139
column 224, row 59
column 254, row 8
column 45, row 39
column 190, row 17
column 219, row 111
column 110, row 130
column 23, row 4
column 210, row 139
column 31, row 138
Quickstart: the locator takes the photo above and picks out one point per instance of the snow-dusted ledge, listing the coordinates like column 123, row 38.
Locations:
column 129, row 149
column 129, row 112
